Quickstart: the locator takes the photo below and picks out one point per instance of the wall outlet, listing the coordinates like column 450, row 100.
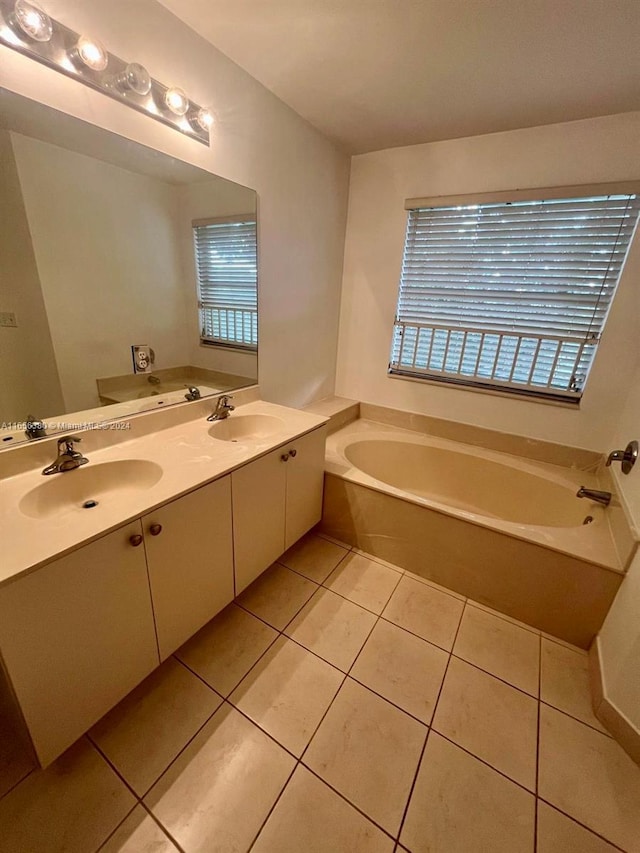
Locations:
column 143, row 358
column 8, row 318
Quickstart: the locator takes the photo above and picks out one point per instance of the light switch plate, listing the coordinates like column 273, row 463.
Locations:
column 8, row 318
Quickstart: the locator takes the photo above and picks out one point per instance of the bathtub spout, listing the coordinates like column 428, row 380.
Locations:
column 603, row 498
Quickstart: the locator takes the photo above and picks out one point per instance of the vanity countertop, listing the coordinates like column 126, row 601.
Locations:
column 188, row 456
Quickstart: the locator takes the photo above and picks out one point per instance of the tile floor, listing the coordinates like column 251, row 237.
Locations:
column 342, row 704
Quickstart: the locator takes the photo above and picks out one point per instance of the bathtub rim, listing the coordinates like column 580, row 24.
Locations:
column 598, row 549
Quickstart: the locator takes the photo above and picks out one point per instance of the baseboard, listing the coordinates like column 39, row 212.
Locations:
column 609, row 715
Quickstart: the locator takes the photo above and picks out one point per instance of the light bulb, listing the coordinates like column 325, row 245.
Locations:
column 176, row 100
column 205, row 119
column 92, row 54
column 136, row 78
column 32, row 20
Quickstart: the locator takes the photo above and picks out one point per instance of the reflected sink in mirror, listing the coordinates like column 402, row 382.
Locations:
column 246, row 427
column 85, row 489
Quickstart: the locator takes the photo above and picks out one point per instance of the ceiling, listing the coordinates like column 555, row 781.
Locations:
column 373, row 74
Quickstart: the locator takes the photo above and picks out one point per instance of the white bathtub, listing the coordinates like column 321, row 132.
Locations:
column 492, row 526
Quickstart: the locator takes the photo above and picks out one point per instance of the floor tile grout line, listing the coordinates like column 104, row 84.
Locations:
column 19, row 781
column 497, row 677
column 538, row 706
column 537, row 698
column 163, row 828
column 142, row 805
column 112, row 766
column 115, row 829
column 301, row 574
column 577, row 719
column 413, row 633
column 203, row 679
column 504, row 617
column 390, row 701
column 273, row 807
column 429, row 730
column 299, row 759
column 347, row 800
column 287, row 637
column 483, row 761
column 141, row 797
column 583, row 825
column 302, row 606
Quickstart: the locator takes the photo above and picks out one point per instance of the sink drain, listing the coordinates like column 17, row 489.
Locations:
column 89, row 504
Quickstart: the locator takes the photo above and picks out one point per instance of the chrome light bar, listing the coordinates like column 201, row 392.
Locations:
column 26, row 27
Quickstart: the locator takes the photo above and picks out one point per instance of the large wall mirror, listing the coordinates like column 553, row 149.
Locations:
column 107, row 245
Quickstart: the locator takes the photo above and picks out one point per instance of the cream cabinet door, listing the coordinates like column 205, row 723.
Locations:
column 305, row 482
column 258, row 515
column 190, row 556
column 76, row 636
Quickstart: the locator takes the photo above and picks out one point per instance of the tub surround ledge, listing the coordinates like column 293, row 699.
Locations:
column 518, row 445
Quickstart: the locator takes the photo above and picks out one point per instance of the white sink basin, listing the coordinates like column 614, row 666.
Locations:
column 246, row 427
column 84, row 489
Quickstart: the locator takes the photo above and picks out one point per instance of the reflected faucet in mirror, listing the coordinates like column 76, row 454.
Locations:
column 193, row 393
column 34, row 428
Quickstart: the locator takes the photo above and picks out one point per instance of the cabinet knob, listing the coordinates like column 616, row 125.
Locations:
column 155, row 529
column 135, row 540
column 293, row 452
column 284, row 457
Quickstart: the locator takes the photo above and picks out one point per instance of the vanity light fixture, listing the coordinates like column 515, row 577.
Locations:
column 27, row 28
column 134, row 78
column 204, row 119
column 32, row 21
column 91, row 53
column 176, row 101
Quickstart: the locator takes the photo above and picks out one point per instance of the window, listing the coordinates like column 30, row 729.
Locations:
column 226, row 266
column 510, row 294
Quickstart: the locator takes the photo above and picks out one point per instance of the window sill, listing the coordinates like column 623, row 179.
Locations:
column 228, row 347
column 520, row 396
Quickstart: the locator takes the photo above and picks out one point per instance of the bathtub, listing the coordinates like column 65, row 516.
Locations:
column 506, row 531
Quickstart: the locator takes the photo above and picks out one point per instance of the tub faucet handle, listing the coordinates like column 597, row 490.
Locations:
column 627, row 457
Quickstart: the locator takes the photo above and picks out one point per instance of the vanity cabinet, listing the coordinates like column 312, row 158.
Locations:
column 79, row 633
column 76, row 636
column 276, row 499
column 189, row 549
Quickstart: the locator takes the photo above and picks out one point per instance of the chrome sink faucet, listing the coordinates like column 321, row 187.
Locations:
column 68, row 458
column 193, row 393
column 223, row 409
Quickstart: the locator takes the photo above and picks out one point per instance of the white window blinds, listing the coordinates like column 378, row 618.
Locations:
column 226, row 263
column 512, row 294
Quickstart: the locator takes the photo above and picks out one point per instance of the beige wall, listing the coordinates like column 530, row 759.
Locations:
column 106, row 248
column 29, row 383
column 300, row 177
column 596, row 150
column 619, row 638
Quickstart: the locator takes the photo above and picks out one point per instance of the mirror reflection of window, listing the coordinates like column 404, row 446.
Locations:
column 225, row 250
